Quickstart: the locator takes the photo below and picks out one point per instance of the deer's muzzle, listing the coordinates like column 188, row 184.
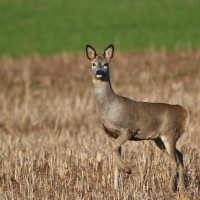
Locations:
column 99, row 73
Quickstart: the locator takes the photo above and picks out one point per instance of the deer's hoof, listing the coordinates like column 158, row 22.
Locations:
column 127, row 170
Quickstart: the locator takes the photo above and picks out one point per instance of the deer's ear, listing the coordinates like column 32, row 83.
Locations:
column 90, row 52
column 108, row 53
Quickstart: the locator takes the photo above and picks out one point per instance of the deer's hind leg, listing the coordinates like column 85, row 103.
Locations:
column 171, row 150
column 180, row 167
column 179, row 162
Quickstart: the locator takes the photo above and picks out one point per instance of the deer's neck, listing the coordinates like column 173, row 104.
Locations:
column 104, row 94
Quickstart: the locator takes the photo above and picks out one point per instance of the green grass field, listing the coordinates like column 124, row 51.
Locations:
column 53, row 26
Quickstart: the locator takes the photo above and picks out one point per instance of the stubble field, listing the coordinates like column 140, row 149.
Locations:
column 51, row 142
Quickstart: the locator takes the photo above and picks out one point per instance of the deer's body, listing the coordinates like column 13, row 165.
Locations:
column 124, row 119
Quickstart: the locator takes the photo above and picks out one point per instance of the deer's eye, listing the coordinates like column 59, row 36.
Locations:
column 93, row 64
column 105, row 65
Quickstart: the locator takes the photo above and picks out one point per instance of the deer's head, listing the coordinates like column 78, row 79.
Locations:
column 100, row 63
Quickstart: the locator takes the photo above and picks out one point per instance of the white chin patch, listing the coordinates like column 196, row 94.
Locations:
column 99, row 76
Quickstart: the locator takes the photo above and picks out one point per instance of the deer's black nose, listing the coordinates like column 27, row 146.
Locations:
column 99, row 72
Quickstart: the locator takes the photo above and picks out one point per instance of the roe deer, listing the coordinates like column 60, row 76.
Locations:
column 125, row 119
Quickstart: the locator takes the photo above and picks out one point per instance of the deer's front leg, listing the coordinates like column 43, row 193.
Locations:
column 116, row 169
column 126, row 135
column 117, row 161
